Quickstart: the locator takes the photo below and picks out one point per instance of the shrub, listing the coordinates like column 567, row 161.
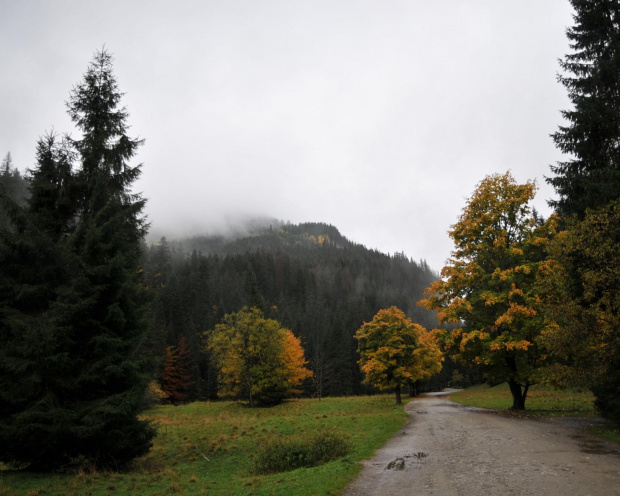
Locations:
column 283, row 454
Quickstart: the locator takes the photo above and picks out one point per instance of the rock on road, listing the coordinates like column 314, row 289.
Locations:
column 454, row 450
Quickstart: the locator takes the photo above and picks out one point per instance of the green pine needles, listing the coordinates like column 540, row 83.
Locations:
column 73, row 373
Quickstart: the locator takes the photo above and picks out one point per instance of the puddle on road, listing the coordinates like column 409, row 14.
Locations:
column 597, row 448
column 400, row 463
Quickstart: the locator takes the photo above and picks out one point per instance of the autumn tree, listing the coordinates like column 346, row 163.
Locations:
column 178, row 381
column 488, row 289
column 257, row 357
column 394, row 350
column 590, row 177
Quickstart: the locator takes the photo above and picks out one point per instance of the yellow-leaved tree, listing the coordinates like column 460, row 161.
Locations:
column 257, row 357
column 488, row 289
column 394, row 350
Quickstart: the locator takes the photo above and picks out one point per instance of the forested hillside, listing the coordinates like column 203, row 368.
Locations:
column 308, row 277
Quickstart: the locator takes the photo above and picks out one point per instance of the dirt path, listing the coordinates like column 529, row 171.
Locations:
column 449, row 449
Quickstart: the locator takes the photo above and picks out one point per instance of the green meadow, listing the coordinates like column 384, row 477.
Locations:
column 211, row 448
column 542, row 401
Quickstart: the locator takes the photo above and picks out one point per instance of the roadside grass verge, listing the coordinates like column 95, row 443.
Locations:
column 210, row 448
column 606, row 432
column 542, row 401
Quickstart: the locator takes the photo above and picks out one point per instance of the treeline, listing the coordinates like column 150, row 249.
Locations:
column 308, row 277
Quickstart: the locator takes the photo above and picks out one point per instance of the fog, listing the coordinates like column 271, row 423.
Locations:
column 379, row 118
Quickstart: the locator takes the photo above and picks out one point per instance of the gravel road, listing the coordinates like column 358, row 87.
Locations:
column 449, row 449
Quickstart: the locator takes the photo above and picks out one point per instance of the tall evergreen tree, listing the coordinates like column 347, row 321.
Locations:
column 13, row 185
column 83, row 405
column 591, row 177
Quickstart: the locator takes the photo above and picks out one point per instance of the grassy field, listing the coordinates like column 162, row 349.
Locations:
column 209, row 448
column 541, row 401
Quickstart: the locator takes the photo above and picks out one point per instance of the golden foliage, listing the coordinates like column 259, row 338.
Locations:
column 489, row 286
column 394, row 350
column 257, row 357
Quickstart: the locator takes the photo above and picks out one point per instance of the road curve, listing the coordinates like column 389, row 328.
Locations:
column 448, row 449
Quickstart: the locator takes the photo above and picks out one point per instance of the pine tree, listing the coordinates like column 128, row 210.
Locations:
column 591, row 178
column 73, row 350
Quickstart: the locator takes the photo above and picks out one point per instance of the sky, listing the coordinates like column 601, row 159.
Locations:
column 377, row 117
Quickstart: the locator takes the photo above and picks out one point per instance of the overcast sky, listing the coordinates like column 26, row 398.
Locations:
column 378, row 117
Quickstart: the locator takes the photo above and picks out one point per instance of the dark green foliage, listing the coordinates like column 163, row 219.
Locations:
column 52, row 201
column 589, row 181
column 591, row 177
column 284, row 454
column 608, row 394
column 13, row 186
column 73, row 374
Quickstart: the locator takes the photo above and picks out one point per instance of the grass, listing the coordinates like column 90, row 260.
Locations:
column 209, row 448
column 542, row 401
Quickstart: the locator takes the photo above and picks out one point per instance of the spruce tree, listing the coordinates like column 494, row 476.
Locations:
column 73, row 351
column 14, row 186
column 591, row 177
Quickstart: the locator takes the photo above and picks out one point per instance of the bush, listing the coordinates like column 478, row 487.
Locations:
column 283, row 454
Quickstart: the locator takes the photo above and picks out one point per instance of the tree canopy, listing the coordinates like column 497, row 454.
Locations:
column 257, row 357
column 394, row 351
column 488, row 289
column 582, row 303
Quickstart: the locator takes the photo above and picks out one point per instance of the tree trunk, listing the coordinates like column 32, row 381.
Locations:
column 398, row 399
column 518, row 394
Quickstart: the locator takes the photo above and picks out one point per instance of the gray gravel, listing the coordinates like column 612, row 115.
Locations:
column 449, row 449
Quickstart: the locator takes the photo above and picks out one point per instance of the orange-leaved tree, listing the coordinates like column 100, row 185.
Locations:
column 257, row 357
column 178, row 381
column 488, row 289
column 394, row 350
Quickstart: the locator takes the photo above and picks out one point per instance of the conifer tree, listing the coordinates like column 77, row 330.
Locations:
column 13, row 185
column 79, row 377
column 591, row 177
column 51, row 201
column 178, row 381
